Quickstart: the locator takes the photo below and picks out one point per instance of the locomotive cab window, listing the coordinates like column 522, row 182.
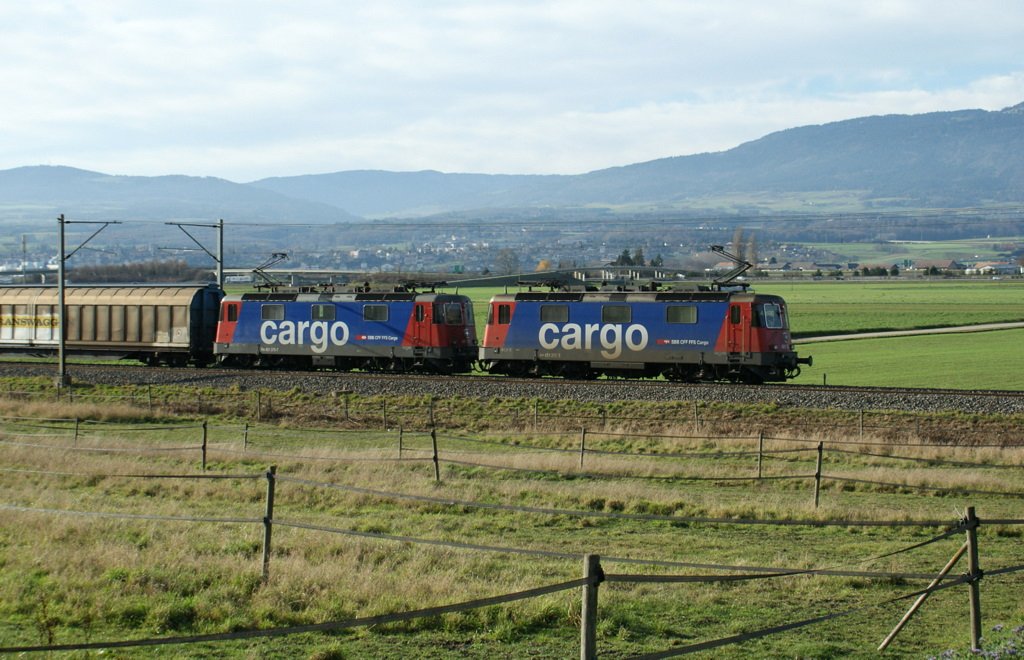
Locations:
column 504, row 316
column 681, row 314
column 375, row 312
column 322, row 312
column 616, row 314
column 554, row 313
column 272, row 312
column 421, row 313
column 230, row 313
column 735, row 316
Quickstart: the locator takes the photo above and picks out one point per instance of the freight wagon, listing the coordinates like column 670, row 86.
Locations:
column 172, row 325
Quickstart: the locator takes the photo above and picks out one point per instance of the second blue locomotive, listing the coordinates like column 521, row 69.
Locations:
column 696, row 335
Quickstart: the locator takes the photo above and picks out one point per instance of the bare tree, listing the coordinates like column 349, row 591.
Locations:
column 506, row 262
column 737, row 242
column 751, row 252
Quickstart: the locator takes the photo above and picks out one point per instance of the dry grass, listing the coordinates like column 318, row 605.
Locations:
column 67, row 577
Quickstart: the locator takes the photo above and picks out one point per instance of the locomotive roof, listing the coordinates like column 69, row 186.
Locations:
column 622, row 296
column 368, row 296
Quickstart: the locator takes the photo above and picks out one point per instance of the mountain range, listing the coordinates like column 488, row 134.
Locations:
column 965, row 158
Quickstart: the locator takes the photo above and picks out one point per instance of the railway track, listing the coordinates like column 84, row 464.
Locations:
column 604, row 390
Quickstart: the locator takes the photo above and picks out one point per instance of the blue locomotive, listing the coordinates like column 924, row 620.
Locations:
column 395, row 331
column 697, row 335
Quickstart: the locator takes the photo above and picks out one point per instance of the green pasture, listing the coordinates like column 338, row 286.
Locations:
column 975, row 360
column 969, row 249
column 824, row 308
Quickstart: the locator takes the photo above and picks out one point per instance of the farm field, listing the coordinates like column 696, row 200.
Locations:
column 985, row 249
column 975, row 360
column 361, row 532
column 820, row 308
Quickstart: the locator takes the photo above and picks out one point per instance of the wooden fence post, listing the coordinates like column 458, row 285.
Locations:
column 77, row 422
column 268, row 521
column 588, row 615
column 384, row 413
column 245, row 437
column 817, row 474
column 974, row 573
column 583, row 444
column 149, row 397
column 431, row 402
column 401, row 432
column 760, row 451
column 346, row 393
column 536, row 413
column 437, row 464
column 861, row 424
column 696, row 416
column 204, row 445
column 259, row 405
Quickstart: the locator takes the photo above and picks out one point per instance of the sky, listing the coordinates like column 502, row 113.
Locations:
column 244, row 90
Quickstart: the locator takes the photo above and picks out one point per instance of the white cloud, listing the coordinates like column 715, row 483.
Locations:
column 246, row 90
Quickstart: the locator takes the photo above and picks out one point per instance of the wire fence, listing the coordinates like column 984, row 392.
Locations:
column 593, row 577
column 74, row 435
column 827, row 462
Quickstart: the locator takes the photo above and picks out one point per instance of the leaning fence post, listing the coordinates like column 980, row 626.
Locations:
column 268, row 521
column 437, row 464
column 974, row 576
column 536, row 413
column 204, row 444
column 384, row 413
column 588, row 615
column 583, row 444
column 760, row 451
column 817, row 474
column 923, row 597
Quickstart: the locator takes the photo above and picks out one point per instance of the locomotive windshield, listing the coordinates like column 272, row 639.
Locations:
column 769, row 315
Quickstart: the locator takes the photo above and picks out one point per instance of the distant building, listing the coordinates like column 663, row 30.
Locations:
column 993, row 268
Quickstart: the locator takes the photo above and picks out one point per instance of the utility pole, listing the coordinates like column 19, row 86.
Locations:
column 219, row 257
column 62, row 374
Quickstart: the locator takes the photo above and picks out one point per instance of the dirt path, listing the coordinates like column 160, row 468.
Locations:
column 985, row 327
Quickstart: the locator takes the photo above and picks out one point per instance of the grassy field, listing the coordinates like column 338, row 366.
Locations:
column 821, row 308
column 73, row 578
column 982, row 360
